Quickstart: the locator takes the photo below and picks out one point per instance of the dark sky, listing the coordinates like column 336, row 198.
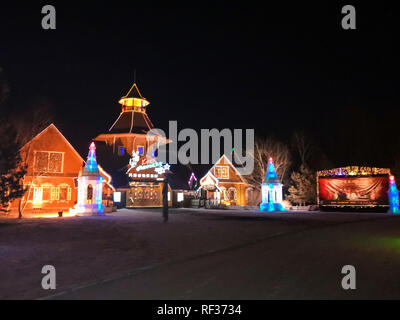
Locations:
column 273, row 68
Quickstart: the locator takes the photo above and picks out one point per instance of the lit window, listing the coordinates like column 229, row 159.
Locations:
column 117, row 197
column 47, row 161
column 232, row 194
column 55, row 194
column 179, row 197
column 37, row 195
column 222, row 172
column 65, row 193
column 121, row 150
column 46, row 193
column 140, row 150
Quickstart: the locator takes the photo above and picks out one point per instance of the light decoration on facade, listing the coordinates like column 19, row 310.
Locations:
column 353, row 171
column 149, row 166
column 271, row 190
column 209, row 182
column 137, row 164
column 134, row 159
column 133, row 100
column 164, row 168
column 393, row 193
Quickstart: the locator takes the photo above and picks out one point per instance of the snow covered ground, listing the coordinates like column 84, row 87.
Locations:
column 89, row 249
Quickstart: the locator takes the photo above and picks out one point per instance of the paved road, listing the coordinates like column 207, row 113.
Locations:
column 296, row 264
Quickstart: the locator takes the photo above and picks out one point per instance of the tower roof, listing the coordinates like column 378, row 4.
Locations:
column 133, row 98
column 91, row 168
column 271, row 176
column 131, row 122
column 133, row 117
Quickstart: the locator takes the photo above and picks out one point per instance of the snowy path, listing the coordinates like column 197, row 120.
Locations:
column 89, row 251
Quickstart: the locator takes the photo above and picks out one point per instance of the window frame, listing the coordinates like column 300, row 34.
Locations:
column 121, row 151
column 35, row 169
column 137, row 149
column 227, row 171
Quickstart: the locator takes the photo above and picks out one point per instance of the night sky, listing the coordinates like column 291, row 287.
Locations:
column 277, row 69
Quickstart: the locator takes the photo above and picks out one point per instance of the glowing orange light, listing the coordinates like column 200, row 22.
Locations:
column 55, row 215
column 134, row 102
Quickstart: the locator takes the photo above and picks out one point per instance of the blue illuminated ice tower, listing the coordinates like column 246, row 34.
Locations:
column 393, row 193
column 271, row 190
column 90, row 187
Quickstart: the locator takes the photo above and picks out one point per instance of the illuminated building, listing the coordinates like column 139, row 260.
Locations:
column 128, row 133
column 224, row 184
column 271, row 190
column 139, row 185
column 53, row 166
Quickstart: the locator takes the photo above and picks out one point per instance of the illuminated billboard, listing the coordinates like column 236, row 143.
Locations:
column 353, row 191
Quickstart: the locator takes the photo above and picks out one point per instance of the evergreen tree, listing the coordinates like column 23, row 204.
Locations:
column 12, row 170
column 303, row 186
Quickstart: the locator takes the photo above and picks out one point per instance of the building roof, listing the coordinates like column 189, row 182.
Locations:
column 134, row 93
column 131, row 122
column 80, row 159
column 133, row 117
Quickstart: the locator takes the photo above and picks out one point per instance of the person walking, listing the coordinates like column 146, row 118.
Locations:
column 165, row 199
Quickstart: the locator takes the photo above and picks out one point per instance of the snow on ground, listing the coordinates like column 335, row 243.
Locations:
column 85, row 249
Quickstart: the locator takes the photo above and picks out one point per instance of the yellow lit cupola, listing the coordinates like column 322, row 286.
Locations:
column 133, row 117
column 133, row 100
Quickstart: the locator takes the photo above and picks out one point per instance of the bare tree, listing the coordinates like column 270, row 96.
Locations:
column 263, row 150
column 303, row 146
column 32, row 121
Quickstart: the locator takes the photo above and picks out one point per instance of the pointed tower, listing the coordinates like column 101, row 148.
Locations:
column 128, row 133
column 271, row 190
column 90, row 187
column 133, row 117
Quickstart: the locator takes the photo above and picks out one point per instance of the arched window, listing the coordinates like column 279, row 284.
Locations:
column 89, row 196
column 232, row 194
